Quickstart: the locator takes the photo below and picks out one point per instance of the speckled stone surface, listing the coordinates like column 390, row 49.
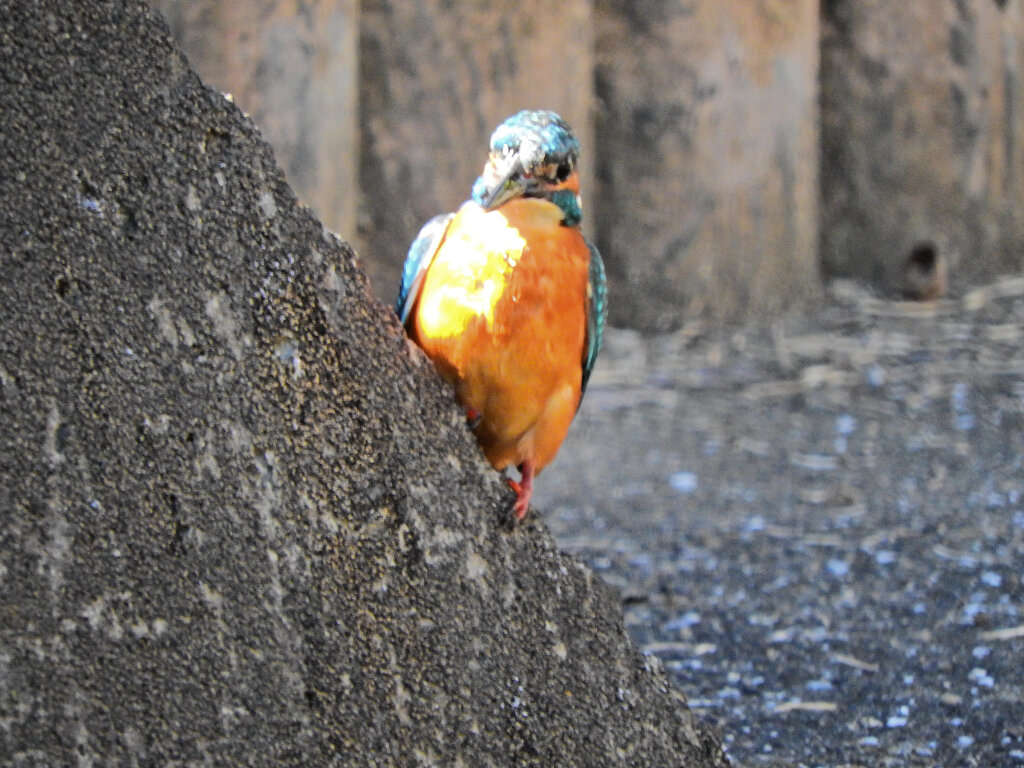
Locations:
column 241, row 521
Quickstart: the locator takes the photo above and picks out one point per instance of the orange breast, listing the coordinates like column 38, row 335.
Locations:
column 502, row 315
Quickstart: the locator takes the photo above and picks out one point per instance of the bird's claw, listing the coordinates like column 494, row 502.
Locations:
column 520, row 506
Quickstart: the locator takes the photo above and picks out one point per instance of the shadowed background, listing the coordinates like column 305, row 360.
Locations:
column 735, row 153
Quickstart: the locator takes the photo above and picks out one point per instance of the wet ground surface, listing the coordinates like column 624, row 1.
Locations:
column 818, row 526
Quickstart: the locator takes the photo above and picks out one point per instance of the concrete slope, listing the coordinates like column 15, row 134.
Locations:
column 241, row 521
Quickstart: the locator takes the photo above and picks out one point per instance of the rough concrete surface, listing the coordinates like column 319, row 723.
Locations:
column 241, row 521
column 293, row 66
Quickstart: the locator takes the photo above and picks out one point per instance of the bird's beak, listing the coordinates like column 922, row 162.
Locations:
column 509, row 181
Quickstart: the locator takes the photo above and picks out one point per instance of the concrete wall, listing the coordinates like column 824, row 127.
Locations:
column 922, row 136
column 244, row 523
column 734, row 152
column 708, row 144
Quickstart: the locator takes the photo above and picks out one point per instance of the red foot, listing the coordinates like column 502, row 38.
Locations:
column 524, row 490
column 474, row 417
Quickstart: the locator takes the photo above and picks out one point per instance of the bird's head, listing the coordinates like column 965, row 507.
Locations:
column 533, row 154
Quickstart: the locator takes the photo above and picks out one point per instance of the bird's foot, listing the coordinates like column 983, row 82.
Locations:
column 524, row 490
column 522, row 503
column 474, row 417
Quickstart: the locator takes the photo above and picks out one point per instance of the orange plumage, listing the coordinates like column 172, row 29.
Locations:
column 502, row 315
column 507, row 297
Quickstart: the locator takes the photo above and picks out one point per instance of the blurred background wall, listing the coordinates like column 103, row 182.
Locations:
column 292, row 65
column 707, row 156
column 922, row 135
column 737, row 153
column 436, row 77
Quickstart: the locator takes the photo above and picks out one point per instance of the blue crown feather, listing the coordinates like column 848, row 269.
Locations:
column 539, row 136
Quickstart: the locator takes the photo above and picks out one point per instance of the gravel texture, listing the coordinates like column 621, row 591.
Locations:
column 818, row 525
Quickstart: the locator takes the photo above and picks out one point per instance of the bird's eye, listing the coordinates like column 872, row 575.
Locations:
column 564, row 169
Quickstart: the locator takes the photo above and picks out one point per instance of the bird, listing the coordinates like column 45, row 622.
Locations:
column 508, row 298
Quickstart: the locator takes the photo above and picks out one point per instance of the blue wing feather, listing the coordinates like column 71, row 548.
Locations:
column 417, row 262
column 597, row 292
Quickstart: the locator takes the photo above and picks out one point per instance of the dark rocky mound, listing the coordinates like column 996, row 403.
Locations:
column 241, row 521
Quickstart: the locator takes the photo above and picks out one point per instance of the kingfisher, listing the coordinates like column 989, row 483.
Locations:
column 507, row 297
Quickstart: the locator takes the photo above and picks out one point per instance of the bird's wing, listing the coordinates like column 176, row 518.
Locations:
column 421, row 253
column 597, row 308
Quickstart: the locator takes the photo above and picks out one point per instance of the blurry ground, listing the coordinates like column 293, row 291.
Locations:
column 818, row 526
